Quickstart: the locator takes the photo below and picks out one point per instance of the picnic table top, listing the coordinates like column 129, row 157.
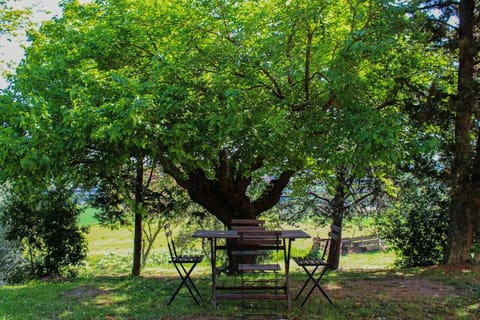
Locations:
column 233, row 234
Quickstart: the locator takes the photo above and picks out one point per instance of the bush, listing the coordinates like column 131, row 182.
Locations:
column 417, row 227
column 46, row 225
column 13, row 266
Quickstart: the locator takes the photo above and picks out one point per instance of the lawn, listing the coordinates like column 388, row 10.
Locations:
column 87, row 218
column 366, row 287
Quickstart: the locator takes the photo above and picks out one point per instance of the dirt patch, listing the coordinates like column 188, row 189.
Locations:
column 84, row 292
column 393, row 289
column 455, row 268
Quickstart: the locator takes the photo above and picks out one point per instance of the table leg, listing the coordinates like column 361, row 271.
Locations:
column 213, row 248
column 287, row 271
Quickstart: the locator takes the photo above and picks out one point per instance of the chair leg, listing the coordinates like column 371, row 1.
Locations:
column 307, row 281
column 316, row 284
column 190, row 279
column 185, row 279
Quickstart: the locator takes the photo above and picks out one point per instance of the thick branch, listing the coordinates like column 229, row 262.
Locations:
column 272, row 195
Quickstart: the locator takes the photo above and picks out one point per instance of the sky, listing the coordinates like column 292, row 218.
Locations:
column 11, row 50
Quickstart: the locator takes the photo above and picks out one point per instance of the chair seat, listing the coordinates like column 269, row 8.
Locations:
column 258, row 267
column 309, row 261
column 187, row 259
column 250, row 253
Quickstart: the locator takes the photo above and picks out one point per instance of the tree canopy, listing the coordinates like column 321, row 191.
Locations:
column 231, row 98
column 223, row 94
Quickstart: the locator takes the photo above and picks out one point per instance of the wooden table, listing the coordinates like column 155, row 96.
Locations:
column 214, row 235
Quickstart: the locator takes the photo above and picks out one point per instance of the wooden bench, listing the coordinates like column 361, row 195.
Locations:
column 361, row 244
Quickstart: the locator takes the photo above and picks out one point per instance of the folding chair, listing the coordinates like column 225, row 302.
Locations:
column 240, row 225
column 314, row 264
column 179, row 261
column 257, row 243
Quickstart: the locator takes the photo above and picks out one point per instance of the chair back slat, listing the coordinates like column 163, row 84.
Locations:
column 260, row 239
column 247, row 224
column 246, row 228
column 170, row 243
column 259, row 234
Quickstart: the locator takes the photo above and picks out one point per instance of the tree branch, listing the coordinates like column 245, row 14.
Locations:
column 277, row 91
column 272, row 194
column 307, row 65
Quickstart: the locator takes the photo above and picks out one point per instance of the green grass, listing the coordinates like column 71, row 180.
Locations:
column 103, row 240
column 366, row 287
column 87, row 218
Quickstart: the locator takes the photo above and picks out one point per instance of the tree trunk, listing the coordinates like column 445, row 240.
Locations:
column 150, row 240
column 225, row 195
column 335, row 248
column 138, row 234
column 462, row 217
column 338, row 208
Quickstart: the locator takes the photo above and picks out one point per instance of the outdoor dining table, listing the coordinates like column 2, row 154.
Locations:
column 214, row 235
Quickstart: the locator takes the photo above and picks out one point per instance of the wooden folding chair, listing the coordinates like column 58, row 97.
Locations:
column 314, row 264
column 261, row 287
column 180, row 262
column 232, row 244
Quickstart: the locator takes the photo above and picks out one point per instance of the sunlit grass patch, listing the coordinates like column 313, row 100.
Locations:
column 368, row 260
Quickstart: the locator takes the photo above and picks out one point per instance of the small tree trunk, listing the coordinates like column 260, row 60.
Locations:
column 335, row 247
column 150, row 239
column 138, row 232
column 338, row 208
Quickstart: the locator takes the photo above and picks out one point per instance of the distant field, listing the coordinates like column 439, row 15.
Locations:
column 105, row 242
column 87, row 218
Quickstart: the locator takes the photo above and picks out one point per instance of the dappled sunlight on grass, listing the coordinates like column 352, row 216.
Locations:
column 357, row 294
column 367, row 286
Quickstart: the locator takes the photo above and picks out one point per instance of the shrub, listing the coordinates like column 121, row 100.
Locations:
column 13, row 266
column 416, row 228
column 46, row 225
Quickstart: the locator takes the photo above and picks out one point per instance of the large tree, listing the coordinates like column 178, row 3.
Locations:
column 227, row 96
column 465, row 202
column 454, row 26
